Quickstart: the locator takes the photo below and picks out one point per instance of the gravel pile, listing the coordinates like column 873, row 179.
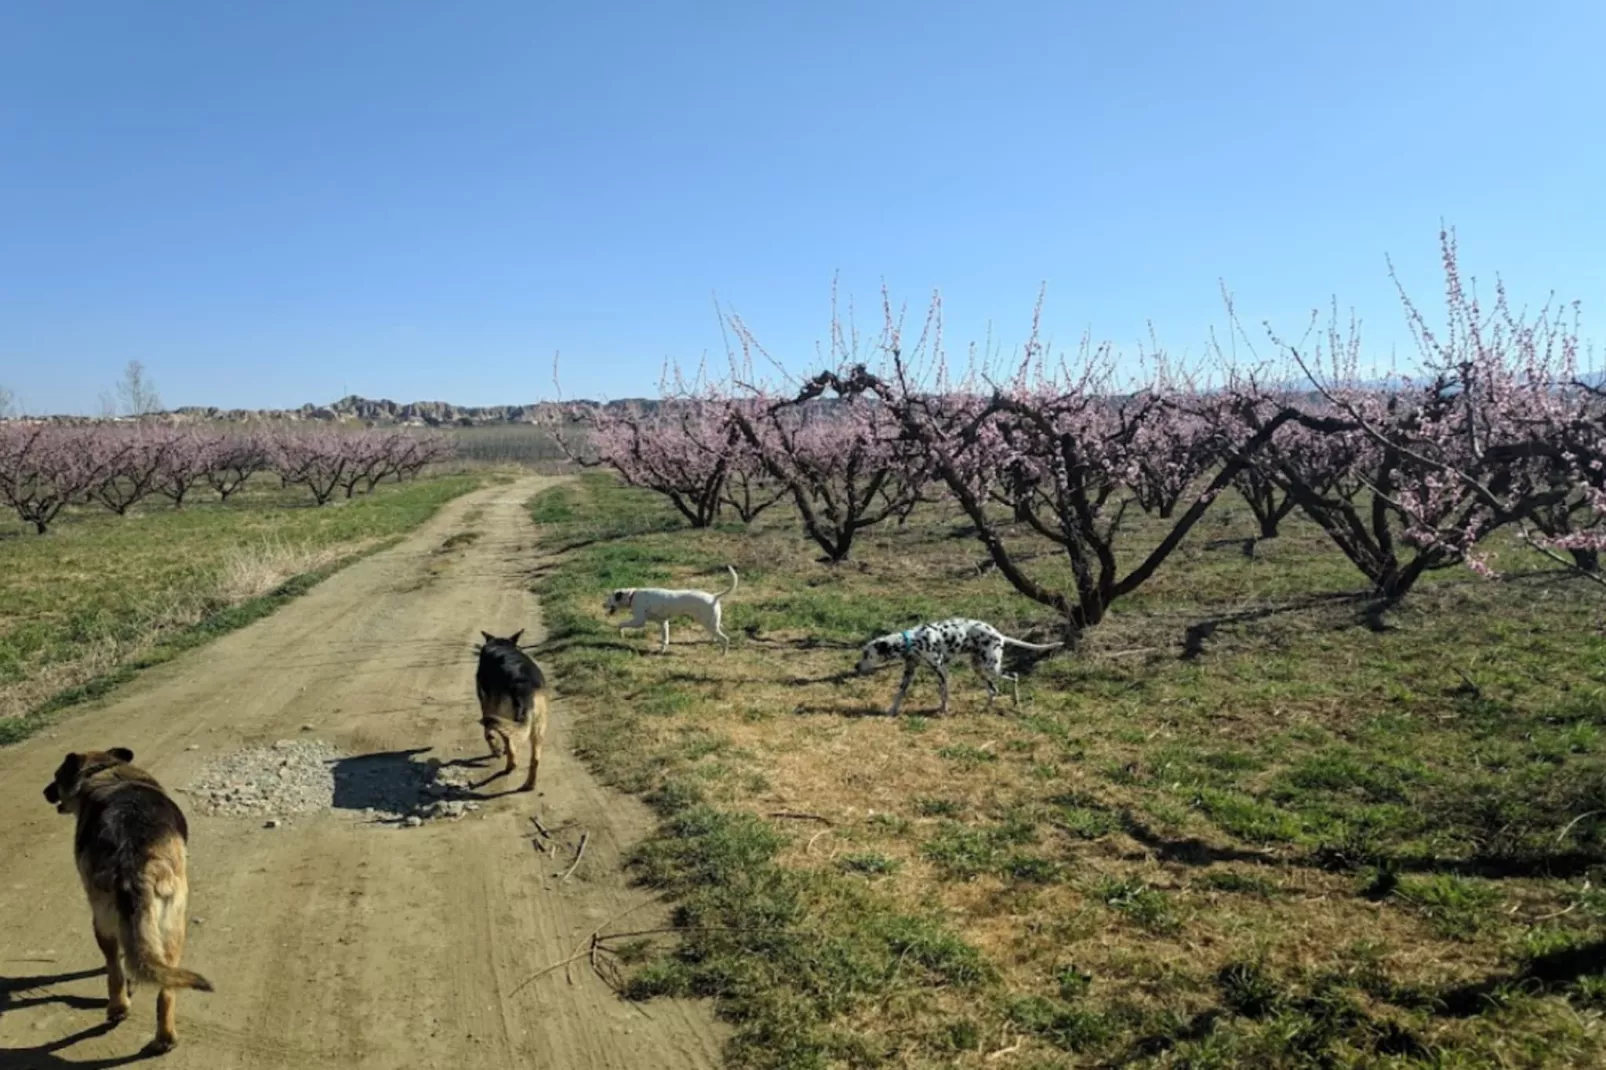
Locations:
column 294, row 776
column 300, row 776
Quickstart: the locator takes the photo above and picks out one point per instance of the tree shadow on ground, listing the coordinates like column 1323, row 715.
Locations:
column 563, row 642
column 1192, row 851
column 807, row 642
column 1196, row 635
column 1543, row 973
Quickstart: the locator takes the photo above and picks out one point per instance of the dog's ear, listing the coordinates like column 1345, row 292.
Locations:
column 489, row 638
column 122, row 754
column 515, row 637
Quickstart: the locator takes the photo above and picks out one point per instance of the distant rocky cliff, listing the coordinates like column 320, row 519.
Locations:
column 384, row 412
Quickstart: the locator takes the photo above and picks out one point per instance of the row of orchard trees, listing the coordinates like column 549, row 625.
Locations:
column 47, row 466
column 1494, row 430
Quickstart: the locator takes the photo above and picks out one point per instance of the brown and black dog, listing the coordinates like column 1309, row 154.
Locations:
column 132, row 858
column 513, row 701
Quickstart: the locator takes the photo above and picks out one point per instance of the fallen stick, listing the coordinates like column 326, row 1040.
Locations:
column 542, row 829
column 1562, row 835
column 543, row 971
column 595, row 932
column 799, row 815
column 578, row 854
column 594, row 942
column 1009, row 1050
column 694, row 929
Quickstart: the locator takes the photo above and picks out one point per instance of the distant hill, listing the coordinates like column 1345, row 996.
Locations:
column 360, row 411
column 384, row 412
column 356, row 410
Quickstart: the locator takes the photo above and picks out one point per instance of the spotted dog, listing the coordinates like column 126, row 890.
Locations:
column 934, row 644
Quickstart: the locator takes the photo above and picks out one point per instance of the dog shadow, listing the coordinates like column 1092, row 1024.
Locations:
column 393, row 786
column 475, row 790
column 43, row 1056
column 10, row 986
column 854, row 711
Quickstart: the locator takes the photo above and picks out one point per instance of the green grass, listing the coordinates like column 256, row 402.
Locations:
column 1147, row 908
column 85, row 607
column 1241, row 827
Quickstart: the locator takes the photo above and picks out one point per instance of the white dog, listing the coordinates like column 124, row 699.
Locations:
column 660, row 605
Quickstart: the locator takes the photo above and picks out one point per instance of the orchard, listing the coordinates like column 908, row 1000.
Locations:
column 46, row 467
column 1494, row 430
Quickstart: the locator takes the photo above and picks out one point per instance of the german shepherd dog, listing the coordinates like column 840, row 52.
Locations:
column 132, row 859
column 513, row 701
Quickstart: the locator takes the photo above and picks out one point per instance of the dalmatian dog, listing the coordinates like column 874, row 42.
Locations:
column 934, row 644
column 660, row 605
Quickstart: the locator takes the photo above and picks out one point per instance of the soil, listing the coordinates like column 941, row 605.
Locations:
column 362, row 893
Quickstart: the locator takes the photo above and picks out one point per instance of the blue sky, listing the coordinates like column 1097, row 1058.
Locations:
column 272, row 204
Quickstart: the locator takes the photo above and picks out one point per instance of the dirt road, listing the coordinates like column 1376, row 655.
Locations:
column 337, row 940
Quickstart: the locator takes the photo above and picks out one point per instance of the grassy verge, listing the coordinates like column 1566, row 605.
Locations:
column 1241, row 828
column 101, row 597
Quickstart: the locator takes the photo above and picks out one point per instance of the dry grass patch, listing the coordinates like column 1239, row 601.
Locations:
column 102, row 593
column 1240, row 828
column 248, row 571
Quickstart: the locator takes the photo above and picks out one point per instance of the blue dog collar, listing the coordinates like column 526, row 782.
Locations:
column 908, row 640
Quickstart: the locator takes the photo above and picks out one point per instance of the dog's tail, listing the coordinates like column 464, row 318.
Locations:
column 1024, row 645
column 149, row 907
column 729, row 589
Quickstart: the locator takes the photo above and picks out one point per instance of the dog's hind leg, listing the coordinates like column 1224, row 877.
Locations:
column 538, row 714
column 903, row 686
column 663, row 634
column 166, row 1022
column 990, row 664
column 167, row 998
column 535, row 763
column 988, row 674
column 116, row 982
column 507, row 748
